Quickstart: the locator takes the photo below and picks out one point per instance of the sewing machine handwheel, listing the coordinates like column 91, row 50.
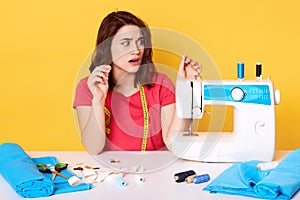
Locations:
column 237, row 94
column 277, row 96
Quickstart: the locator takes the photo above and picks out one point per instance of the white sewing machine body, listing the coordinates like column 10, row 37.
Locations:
column 253, row 135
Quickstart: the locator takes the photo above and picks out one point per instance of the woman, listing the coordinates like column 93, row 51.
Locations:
column 125, row 104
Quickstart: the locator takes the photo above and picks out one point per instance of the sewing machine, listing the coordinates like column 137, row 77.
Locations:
column 253, row 135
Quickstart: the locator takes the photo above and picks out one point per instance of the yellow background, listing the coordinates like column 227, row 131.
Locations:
column 44, row 43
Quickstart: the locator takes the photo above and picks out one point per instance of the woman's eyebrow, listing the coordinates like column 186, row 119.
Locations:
column 126, row 39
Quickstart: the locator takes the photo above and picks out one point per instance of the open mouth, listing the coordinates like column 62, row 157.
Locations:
column 134, row 61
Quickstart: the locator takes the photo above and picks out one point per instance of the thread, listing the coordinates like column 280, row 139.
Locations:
column 240, row 70
column 181, row 176
column 258, row 71
column 201, row 178
column 189, row 179
column 139, row 177
column 121, row 181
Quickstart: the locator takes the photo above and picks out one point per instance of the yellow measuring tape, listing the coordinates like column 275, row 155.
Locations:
column 146, row 118
column 107, row 122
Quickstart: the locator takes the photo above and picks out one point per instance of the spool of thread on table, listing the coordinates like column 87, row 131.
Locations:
column 139, row 177
column 201, row 178
column 181, row 176
column 189, row 179
column 121, row 181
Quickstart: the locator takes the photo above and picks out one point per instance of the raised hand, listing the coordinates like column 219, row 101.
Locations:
column 189, row 69
column 98, row 81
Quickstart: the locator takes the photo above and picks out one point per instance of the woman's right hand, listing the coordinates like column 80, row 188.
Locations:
column 98, row 82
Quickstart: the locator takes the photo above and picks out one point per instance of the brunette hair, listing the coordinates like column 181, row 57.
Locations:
column 102, row 53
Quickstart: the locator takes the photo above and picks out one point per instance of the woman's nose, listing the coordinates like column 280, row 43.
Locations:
column 135, row 48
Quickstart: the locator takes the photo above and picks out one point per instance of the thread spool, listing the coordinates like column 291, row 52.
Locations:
column 189, row 179
column 139, row 177
column 121, row 181
column 181, row 176
column 258, row 71
column 240, row 70
column 201, row 178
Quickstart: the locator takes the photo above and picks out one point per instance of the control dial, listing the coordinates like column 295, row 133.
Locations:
column 237, row 94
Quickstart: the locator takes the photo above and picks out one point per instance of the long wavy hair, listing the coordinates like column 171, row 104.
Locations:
column 102, row 53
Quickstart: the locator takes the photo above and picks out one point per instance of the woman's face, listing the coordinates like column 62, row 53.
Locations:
column 127, row 48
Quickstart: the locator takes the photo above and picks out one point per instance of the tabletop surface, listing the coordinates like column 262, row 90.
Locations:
column 159, row 183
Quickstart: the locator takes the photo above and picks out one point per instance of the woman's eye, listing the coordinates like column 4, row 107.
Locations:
column 140, row 42
column 125, row 43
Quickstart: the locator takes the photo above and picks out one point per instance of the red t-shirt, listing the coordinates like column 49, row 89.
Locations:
column 126, row 114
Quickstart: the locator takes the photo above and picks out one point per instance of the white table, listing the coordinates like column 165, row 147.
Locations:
column 159, row 184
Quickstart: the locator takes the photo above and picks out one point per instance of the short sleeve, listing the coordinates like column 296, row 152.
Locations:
column 167, row 91
column 83, row 96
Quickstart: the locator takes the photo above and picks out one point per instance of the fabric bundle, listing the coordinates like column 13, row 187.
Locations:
column 20, row 171
column 245, row 179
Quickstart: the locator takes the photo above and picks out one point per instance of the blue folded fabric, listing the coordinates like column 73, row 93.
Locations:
column 20, row 171
column 245, row 179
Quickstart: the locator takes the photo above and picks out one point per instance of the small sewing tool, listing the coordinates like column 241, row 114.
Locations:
column 89, row 173
column 44, row 169
column 114, row 161
column 57, row 169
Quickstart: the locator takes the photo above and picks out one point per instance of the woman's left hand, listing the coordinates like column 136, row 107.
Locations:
column 189, row 69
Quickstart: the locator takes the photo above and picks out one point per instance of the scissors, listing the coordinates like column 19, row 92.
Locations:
column 54, row 170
